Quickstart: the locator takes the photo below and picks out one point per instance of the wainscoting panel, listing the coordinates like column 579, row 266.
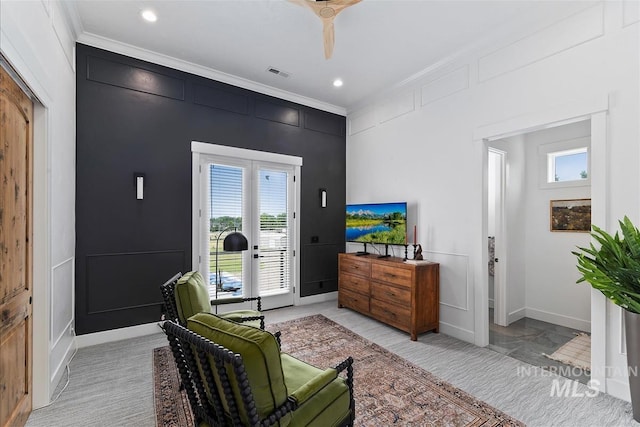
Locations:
column 363, row 121
column 137, row 275
column 397, row 106
column 570, row 32
column 277, row 113
column 61, row 311
column 446, row 85
column 220, row 99
column 134, row 78
column 454, row 279
column 61, row 319
column 630, row 12
column 323, row 122
column 320, row 268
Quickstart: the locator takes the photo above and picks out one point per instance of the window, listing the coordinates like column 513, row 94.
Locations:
column 568, row 165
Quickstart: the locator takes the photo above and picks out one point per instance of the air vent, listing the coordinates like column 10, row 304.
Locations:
column 278, row 72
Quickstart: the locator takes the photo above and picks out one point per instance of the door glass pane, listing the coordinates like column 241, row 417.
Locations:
column 225, row 216
column 274, row 238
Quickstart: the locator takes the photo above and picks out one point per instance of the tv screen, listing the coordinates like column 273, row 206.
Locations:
column 377, row 223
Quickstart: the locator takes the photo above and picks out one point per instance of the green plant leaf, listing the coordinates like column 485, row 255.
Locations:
column 614, row 267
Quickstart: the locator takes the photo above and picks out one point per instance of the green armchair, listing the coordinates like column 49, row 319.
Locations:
column 235, row 374
column 186, row 295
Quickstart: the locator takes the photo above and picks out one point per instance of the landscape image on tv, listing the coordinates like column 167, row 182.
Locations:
column 377, row 223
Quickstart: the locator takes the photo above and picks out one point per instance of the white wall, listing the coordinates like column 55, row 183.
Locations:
column 36, row 40
column 422, row 137
column 552, row 294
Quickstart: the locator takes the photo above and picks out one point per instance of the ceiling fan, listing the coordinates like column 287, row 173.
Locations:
column 327, row 10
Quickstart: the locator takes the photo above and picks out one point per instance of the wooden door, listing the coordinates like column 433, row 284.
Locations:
column 16, row 148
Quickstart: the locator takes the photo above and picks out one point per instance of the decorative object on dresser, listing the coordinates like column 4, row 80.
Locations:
column 400, row 294
column 417, row 253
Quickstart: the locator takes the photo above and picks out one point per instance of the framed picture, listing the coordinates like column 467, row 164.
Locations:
column 570, row 215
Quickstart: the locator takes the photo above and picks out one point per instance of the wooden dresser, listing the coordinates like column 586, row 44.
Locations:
column 402, row 295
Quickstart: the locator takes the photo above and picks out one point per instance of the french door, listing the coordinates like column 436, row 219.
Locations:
column 256, row 198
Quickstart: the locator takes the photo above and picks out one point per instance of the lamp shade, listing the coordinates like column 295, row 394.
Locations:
column 235, row 242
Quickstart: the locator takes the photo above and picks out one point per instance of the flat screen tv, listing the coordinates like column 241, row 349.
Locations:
column 377, row 223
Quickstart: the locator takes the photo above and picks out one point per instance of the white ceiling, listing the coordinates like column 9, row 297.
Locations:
column 378, row 43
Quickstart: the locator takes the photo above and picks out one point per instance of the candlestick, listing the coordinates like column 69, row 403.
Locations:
column 415, row 233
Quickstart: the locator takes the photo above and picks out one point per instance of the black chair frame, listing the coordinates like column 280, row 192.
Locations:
column 171, row 310
column 183, row 342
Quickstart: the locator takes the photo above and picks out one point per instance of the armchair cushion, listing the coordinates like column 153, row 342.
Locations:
column 323, row 397
column 192, row 296
column 260, row 353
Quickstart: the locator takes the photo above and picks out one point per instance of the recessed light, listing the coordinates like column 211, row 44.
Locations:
column 149, row 15
column 337, row 82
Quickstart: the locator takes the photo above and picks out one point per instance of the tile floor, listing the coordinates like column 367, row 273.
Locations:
column 528, row 340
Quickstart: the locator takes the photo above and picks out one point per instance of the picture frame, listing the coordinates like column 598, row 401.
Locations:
column 570, row 215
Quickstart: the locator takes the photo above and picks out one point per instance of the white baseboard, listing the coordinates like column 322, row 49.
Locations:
column 59, row 370
column 559, row 319
column 313, row 299
column 618, row 388
column 117, row 334
column 516, row 315
column 457, row 332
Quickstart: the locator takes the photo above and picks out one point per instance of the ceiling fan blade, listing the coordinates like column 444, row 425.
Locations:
column 328, row 34
column 327, row 11
column 344, row 3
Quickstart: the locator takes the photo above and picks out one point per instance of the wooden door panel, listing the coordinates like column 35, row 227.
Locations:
column 13, row 353
column 16, row 145
column 13, row 207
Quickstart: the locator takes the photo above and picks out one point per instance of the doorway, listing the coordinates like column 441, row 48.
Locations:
column 258, row 198
column 496, row 230
column 538, row 307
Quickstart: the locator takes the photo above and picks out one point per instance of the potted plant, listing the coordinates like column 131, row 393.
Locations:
column 614, row 270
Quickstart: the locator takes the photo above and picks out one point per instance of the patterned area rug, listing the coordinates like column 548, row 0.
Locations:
column 388, row 389
column 576, row 352
column 172, row 404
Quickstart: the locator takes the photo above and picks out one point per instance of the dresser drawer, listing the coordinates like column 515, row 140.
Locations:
column 391, row 274
column 355, row 266
column 353, row 300
column 393, row 294
column 354, row 283
column 391, row 313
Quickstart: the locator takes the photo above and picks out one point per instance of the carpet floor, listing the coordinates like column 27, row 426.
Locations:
column 388, row 389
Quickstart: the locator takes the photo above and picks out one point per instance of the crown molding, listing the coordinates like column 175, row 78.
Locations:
column 189, row 67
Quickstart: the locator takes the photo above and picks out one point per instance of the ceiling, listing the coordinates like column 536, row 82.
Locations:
column 378, row 43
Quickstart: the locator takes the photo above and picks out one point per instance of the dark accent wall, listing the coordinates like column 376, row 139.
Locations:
column 135, row 116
